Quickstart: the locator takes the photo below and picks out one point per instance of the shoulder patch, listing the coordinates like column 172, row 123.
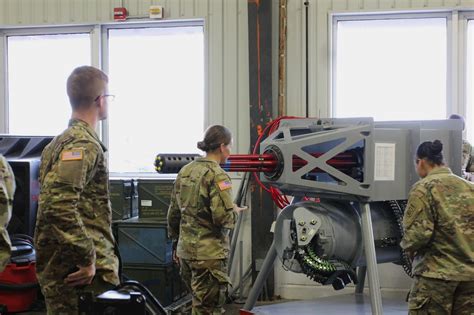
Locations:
column 224, row 185
column 72, row 155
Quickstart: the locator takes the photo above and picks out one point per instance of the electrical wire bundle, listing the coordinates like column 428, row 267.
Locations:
column 278, row 197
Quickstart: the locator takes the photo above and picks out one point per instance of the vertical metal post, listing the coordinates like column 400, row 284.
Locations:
column 241, row 267
column 371, row 259
column 361, row 272
column 233, row 243
column 261, row 107
column 267, row 267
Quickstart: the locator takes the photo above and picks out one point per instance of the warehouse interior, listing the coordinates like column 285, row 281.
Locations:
column 344, row 89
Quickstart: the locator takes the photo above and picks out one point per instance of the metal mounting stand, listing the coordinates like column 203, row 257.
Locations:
column 267, row 267
column 370, row 257
column 361, row 272
column 371, row 260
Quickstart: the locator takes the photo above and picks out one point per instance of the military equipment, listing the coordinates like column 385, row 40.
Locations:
column 144, row 242
column 123, row 198
column 352, row 177
column 23, row 154
column 154, row 196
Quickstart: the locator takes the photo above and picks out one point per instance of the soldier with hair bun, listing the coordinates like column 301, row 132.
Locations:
column 439, row 236
column 7, row 191
column 200, row 216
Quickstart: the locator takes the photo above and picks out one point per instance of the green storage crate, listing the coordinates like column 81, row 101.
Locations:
column 164, row 282
column 144, row 242
column 154, row 197
column 120, row 198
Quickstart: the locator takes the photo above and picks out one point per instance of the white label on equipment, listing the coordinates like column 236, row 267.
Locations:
column 384, row 161
column 146, row 203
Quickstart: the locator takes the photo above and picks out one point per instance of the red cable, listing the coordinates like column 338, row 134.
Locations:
column 280, row 200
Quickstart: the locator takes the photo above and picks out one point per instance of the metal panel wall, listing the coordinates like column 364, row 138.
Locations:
column 319, row 43
column 226, row 47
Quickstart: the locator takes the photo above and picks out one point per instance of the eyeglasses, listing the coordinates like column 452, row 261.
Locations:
column 109, row 97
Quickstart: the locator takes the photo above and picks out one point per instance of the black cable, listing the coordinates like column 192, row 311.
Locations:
column 152, row 302
column 18, row 287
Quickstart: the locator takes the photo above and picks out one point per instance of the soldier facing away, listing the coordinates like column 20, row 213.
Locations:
column 7, row 191
column 200, row 216
column 73, row 238
column 439, row 236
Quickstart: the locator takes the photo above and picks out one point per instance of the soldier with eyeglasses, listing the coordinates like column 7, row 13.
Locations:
column 73, row 237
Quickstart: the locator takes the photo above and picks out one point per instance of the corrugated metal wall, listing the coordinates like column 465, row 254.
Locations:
column 319, row 45
column 226, row 33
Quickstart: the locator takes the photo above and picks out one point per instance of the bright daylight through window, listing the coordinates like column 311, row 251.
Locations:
column 393, row 69
column 157, row 75
column 38, row 67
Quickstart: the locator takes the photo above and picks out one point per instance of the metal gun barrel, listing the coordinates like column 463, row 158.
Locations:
column 267, row 162
column 270, row 162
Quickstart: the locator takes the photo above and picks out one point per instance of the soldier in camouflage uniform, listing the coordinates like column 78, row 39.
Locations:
column 467, row 163
column 439, row 235
column 200, row 216
column 74, row 244
column 7, row 190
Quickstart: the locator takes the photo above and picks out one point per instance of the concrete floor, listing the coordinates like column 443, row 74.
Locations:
column 393, row 304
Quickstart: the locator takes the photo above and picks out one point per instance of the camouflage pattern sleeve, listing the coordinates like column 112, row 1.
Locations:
column 469, row 158
column 221, row 203
column 467, row 163
column 76, row 166
column 7, row 191
column 418, row 221
column 174, row 212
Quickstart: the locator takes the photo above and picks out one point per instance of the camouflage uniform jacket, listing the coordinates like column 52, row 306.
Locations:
column 7, row 190
column 73, row 225
column 439, row 226
column 467, row 165
column 201, row 211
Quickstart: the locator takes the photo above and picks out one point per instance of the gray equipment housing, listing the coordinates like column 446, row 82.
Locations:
column 388, row 153
column 336, row 229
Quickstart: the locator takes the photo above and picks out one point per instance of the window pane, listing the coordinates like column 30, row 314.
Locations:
column 158, row 77
column 38, row 67
column 391, row 69
column 470, row 82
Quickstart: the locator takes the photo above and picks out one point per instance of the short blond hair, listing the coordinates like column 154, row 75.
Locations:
column 84, row 85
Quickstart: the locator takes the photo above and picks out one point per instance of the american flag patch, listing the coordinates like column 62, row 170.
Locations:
column 74, row 155
column 225, row 184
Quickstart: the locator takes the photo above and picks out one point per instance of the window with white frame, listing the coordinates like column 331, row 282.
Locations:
column 470, row 81
column 37, row 69
column 390, row 68
column 157, row 74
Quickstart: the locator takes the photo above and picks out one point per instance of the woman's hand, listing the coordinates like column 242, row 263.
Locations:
column 240, row 209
